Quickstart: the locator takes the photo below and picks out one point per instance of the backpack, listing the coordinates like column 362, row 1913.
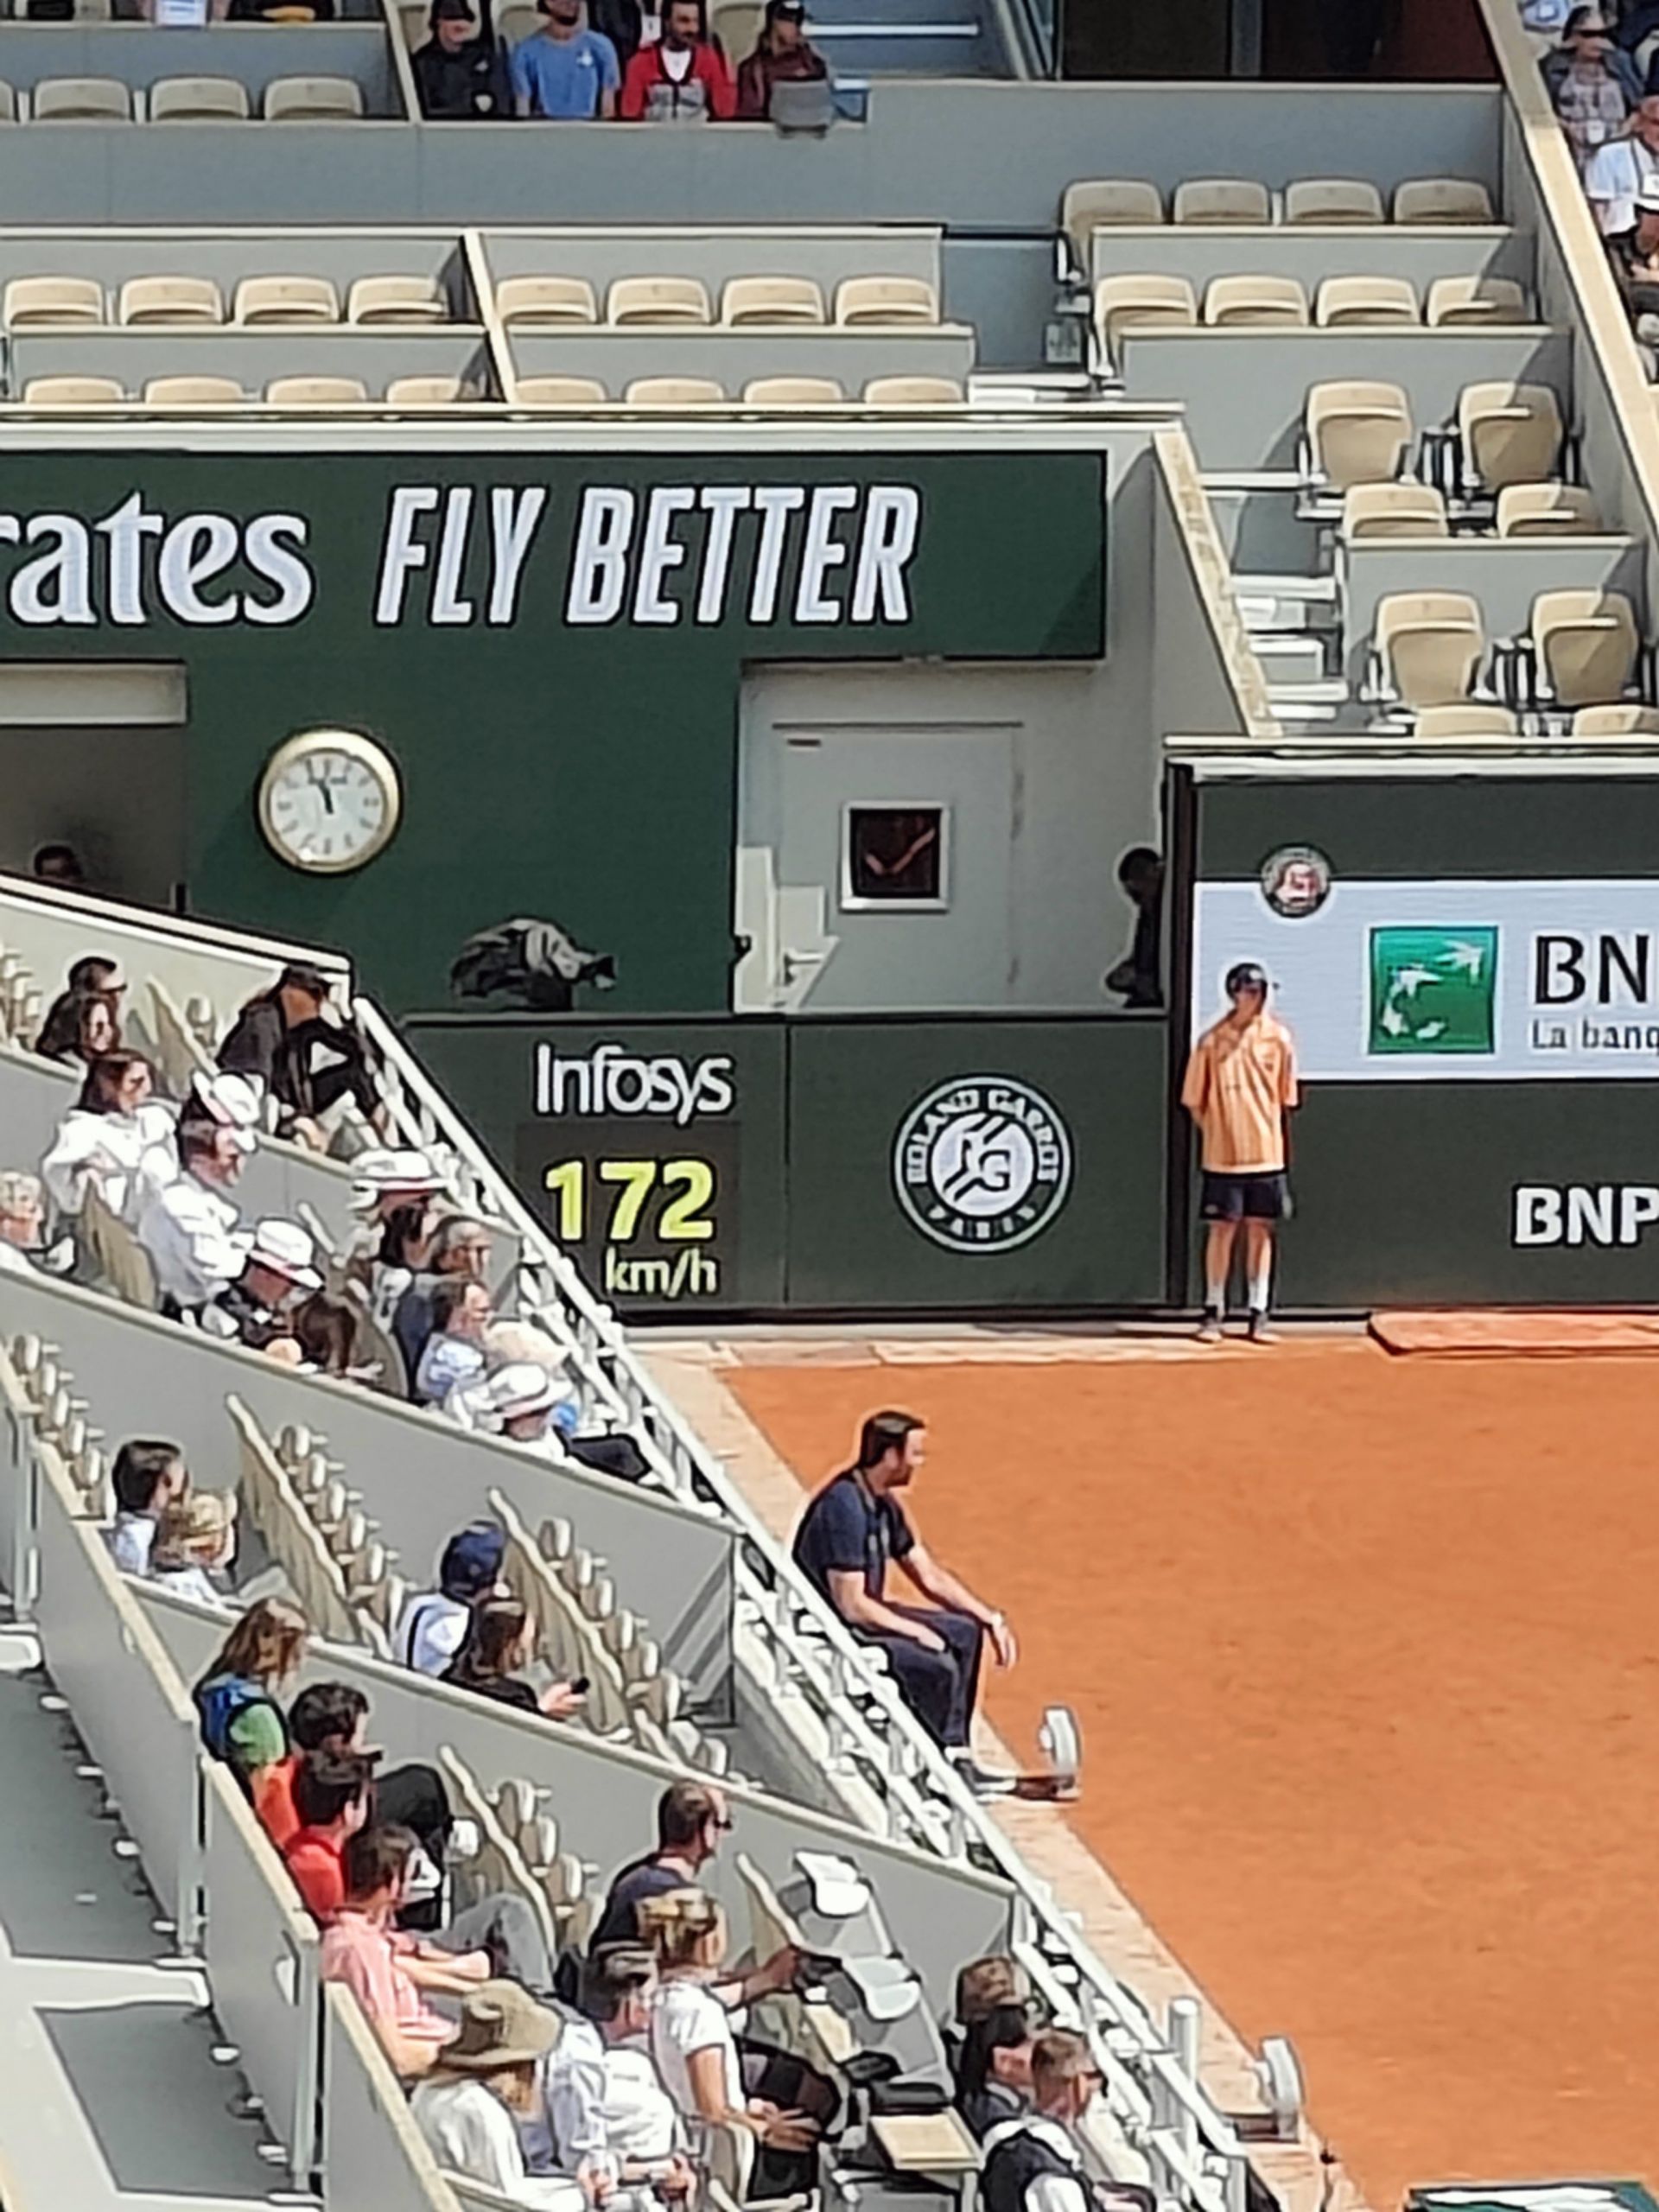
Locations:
column 219, row 1700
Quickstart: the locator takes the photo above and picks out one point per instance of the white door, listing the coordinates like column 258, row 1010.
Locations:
column 877, row 866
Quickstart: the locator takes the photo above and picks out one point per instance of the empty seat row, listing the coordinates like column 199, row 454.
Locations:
column 1362, row 433
column 1580, row 650
column 563, row 301
column 1487, row 718
column 1151, row 300
column 195, row 391
column 759, row 392
column 181, row 99
column 30, row 303
column 324, row 391
column 1405, row 509
column 1104, row 203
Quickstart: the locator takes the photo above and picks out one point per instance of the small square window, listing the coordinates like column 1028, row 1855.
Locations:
column 894, row 857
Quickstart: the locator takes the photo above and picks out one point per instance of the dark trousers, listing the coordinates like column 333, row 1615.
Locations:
column 1639, row 22
column 789, row 2082
column 940, row 1688
column 415, row 1797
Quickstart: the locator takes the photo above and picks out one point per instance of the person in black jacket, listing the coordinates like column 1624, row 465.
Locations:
column 460, row 72
column 308, row 1059
column 1032, row 2160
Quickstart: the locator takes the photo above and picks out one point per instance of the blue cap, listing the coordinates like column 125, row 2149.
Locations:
column 472, row 1560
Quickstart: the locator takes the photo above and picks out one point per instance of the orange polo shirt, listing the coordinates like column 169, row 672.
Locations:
column 1240, row 1085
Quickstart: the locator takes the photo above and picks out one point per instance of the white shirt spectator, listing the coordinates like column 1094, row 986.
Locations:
column 128, row 1156
column 607, row 2097
column 195, row 1241
column 129, row 1539
column 430, row 1630
column 640, row 2122
column 448, row 1363
column 1613, row 176
column 469, row 2130
column 192, row 1582
column 686, row 2018
column 14, row 1262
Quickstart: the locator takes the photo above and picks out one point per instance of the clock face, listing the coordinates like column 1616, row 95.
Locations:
column 329, row 802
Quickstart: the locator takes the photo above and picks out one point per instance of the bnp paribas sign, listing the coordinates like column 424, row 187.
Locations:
column 1449, row 980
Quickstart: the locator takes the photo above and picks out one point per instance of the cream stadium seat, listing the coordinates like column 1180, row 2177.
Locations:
column 1142, row 303
column 8, row 103
column 193, row 392
column 771, row 299
column 792, row 391
column 169, row 300
column 426, row 392
column 913, row 391
column 313, row 99
column 1357, row 432
column 1255, row 300
column 1547, row 511
column 1587, row 643
column 1428, row 646
column 1442, row 199
column 672, row 392
column 1333, row 199
column 81, row 99
column 1472, row 721
column 737, row 25
column 198, row 99
column 560, row 392
column 1511, row 433
column 1395, row 509
column 1341, row 301
column 315, row 392
column 285, row 299
column 1625, row 720
column 886, row 299
column 52, row 300
column 1222, row 200
column 1455, row 302
column 546, row 299
column 657, row 299
column 1098, row 203
column 395, row 299
column 514, row 25
column 71, row 391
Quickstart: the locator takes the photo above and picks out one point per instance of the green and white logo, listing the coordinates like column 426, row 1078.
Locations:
column 1433, row 990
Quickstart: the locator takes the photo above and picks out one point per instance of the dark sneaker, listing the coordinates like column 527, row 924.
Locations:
column 1210, row 1327
column 1259, row 1331
column 980, row 1779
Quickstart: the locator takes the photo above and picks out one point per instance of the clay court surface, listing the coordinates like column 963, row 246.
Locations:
column 1366, row 1655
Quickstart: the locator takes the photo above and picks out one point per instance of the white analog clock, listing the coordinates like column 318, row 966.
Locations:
column 328, row 801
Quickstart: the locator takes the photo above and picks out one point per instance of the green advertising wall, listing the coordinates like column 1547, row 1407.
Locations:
column 968, row 1165
column 550, row 648
column 1489, row 1132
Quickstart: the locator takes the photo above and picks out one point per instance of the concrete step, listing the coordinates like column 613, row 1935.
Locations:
column 906, row 48
column 1291, row 659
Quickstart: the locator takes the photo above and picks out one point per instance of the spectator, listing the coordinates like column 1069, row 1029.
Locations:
column 692, row 1819
column 992, row 2068
column 852, row 1528
column 81, row 1027
column 459, row 73
column 195, row 1539
column 454, row 1351
column 242, row 1722
column 330, row 1791
column 565, row 73
column 255, row 1310
column 683, row 77
column 1635, row 255
column 393, row 1192
column 116, row 1139
column 22, row 1215
column 486, row 2078
column 983, row 1985
column 694, row 2050
column 460, row 1247
column 146, row 1478
column 291, row 1041
column 1033, row 2162
column 783, row 55
column 521, row 1402
column 97, row 973
column 59, row 865
column 432, row 1625
column 612, row 2119
column 325, row 1330
column 623, row 22
column 333, row 1717
column 1592, row 85
column 1139, row 979
column 499, row 1642
column 191, row 1227
column 1619, row 171
column 386, row 1975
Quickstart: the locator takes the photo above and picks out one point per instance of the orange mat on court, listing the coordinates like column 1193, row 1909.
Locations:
column 1466, row 1334
column 1366, row 1658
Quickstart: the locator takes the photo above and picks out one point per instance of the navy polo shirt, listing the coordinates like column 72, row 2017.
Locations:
column 847, row 1530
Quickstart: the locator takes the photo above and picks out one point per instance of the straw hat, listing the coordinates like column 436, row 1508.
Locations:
column 501, row 2026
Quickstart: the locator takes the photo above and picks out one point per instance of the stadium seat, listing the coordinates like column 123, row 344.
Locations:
column 1106, row 202
column 561, row 391
column 886, row 299
column 1511, row 433
column 1547, row 511
column 1456, row 300
column 913, row 391
column 1341, row 300
column 1586, row 642
column 792, row 391
column 1627, row 719
column 71, row 391
column 8, row 103
column 1333, row 199
column 169, row 300
column 1140, row 302
column 426, row 392
column 737, row 25
column 285, row 299
column 673, row 391
column 1222, row 200
column 315, row 392
column 396, row 299
column 1442, row 199
column 52, row 300
column 546, row 299
column 657, row 299
column 771, row 299
column 81, row 99
column 514, row 25
column 198, row 99
column 313, row 99
column 193, row 392
column 1357, row 432
column 1469, row 719
column 1255, row 301
column 1394, row 510
column 1427, row 645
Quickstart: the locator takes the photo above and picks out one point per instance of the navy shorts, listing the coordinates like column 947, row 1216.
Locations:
column 1245, row 1198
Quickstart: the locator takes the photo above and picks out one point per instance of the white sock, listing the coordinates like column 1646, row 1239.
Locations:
column 1261, row 1281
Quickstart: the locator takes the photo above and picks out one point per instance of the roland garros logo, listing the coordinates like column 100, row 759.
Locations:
column 982, row 1163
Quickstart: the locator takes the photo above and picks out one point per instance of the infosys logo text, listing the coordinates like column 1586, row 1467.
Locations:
column 609, row 1080
column 1582, row 1213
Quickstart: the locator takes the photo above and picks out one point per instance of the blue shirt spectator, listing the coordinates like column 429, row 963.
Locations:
column 564, row 74
column 848, row 1529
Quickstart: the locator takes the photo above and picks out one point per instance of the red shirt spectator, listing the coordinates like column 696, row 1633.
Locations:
column 330, row 1796
column 315, row 1859
column 682, row 78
